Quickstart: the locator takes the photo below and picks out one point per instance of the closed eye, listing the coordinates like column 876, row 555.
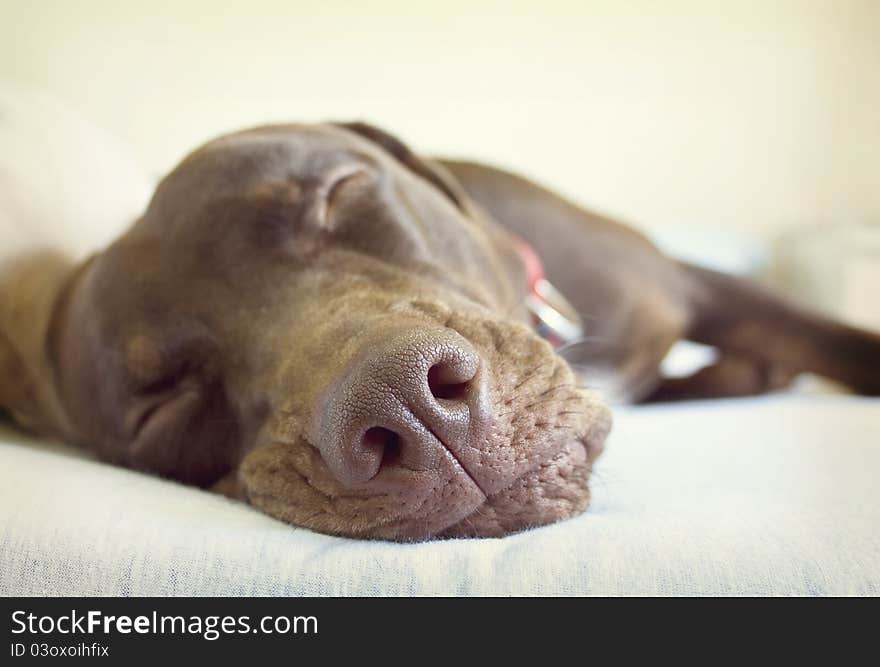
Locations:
column 152, row 397
column 166, row 382
column 340, row 176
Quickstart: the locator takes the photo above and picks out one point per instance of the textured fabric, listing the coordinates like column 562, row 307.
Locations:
column 777, row 495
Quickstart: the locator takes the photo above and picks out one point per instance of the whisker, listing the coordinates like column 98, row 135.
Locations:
column 518, row 302
column 531, row 374
column 572, row 344
column 535, row 404
column 569, row 385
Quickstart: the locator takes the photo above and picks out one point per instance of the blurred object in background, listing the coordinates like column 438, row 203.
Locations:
column 835, row 268
column 738, row 251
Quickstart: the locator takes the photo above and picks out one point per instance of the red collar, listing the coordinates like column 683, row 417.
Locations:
column 553, row 316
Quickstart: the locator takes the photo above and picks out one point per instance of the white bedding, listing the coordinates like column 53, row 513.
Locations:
column 777, row 495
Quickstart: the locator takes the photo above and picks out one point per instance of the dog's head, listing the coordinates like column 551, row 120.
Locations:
column 326, row 317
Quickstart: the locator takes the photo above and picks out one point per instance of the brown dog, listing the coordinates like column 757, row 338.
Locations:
column 316, row 320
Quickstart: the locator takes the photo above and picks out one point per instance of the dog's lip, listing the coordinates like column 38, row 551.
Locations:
column 592, row 441
column 592, row 438
column 472, row 475
column 410, row 523
column 577, row 440
column 586, row 441
column 489, row 498
column 400, row 521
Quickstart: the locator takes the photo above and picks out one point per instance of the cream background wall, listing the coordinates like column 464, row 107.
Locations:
column 748, row 114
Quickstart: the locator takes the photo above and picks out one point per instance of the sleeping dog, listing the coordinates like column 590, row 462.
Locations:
column 360, row 341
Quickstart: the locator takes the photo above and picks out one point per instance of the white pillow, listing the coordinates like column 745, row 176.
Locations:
column 64, row 184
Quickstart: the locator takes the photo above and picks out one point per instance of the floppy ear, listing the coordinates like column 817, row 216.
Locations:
column 29, row 290
column 431, row 171
column 10, row 370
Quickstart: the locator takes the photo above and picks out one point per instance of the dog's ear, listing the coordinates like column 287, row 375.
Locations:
column 10, row 371
column 29, row 290
column 432, row 172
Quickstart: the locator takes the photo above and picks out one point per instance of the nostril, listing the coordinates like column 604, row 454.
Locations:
column 383, row 442
column 402, row 406
column 445, row 383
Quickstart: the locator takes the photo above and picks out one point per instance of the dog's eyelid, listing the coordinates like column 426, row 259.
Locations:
column 341, row 176
column 432, row 173
column 174, row 370
column 165, row 382
column 162, row 357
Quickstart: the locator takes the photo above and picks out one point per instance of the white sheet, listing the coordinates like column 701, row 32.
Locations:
column 776, row 495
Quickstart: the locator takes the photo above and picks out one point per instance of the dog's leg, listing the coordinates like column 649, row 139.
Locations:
column 632, row 295
column 731, row 376
column 766, row 340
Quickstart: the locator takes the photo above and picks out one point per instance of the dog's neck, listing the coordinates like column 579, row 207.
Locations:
column 554, row 318
column 30, row 286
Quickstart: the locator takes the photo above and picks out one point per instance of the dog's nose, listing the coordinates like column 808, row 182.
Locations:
column 403, row 405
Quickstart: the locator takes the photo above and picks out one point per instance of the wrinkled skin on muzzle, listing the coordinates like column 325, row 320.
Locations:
column 320, row 323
